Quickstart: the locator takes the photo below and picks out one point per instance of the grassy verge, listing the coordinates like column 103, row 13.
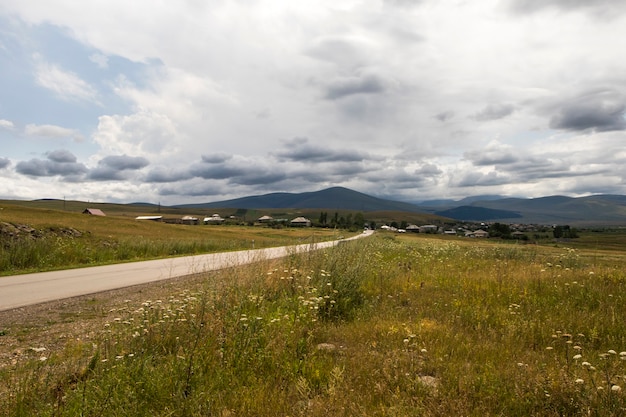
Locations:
column 384, row 326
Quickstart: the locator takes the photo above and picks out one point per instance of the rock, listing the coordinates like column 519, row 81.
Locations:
column 327, row 347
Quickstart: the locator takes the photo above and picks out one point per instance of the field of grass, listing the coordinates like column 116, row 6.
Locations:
column 62, row 239
column 385, row 326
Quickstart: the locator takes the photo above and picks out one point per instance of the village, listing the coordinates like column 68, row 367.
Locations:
column 479, row 230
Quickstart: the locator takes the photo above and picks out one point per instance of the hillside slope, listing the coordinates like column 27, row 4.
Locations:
column 335, row 198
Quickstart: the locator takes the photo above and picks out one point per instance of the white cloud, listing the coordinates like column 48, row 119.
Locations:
column 53, row 132
column 65, row 84
column 6, row 124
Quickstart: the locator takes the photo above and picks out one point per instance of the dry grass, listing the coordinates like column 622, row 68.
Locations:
column 385, row 326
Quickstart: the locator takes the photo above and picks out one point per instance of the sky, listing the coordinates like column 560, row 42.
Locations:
column 193, row 101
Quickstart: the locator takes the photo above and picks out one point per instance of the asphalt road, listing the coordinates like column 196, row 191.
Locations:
column 22, row 290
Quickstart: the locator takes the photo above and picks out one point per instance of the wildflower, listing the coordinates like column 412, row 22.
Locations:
column 616, row 388
column 579, row 381
column 612, row 352
column 586, row 364
column 576, row 357
column 424, row 351
column 549, row 348
column 577, row 347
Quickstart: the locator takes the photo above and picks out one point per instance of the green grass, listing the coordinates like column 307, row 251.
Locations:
column 384, row 326
column 121, row 238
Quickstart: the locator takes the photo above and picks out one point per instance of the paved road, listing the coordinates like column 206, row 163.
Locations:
column 22, row 290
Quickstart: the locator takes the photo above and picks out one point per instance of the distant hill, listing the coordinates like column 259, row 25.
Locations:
column 335, row 198
column 437, row 204
column 598, row 210
column 473, row 213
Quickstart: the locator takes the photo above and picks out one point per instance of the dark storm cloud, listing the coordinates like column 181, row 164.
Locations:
column 4, row 162
column 601, row 112
column 533, row 169
column 61, row 156
column 369, row 84
column 494, row 112
column 345, row 169
column 216, row 158
column 123, row 162
column 402, row 179
column 60, row 162
column 116, row 167
column 301, row 150
column 491, row 156
column 217, row 171
column 473, row 179
column 161, row 174
column 237, row 172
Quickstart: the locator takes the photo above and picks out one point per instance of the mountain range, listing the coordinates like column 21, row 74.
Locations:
column 600, row 210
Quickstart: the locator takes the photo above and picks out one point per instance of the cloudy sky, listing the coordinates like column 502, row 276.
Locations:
column 196, row 101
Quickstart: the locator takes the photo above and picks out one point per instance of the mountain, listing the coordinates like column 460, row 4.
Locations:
column 603, row 209
column 335, row 198
column 473, row 213
column 455, row 203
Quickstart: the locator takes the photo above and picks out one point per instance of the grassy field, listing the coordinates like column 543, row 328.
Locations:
column 60, row 239
column 392, row 325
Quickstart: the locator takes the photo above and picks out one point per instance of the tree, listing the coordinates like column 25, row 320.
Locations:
column 565, row 232
column 500, row 230
column 359, row 220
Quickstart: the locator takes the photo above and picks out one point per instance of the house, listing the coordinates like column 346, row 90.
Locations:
column 214, row 219
column 429, row 228
column 265, row 219
column 94, row 212
column 189, row 220
column 301, row 222
column 481, row 233
column 413, row 228
column 153, row 218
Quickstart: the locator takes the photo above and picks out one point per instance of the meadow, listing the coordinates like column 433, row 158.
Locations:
column 57, row 239
column 391, row 325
